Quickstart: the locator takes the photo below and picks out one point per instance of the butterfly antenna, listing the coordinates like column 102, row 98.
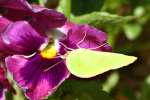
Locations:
column 66, row 46
column 98, row 46
column 85, row 34
column 53, row 66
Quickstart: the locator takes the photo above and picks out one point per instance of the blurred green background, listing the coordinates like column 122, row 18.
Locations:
column 127, row 23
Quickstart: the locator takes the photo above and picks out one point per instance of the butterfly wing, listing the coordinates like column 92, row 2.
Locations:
column 85, row 63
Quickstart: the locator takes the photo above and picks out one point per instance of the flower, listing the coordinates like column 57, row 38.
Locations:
column 44, row 68
column 29, row 68
column 84, row 36
column 23, row 35
column 42, row 19
column 4, row 84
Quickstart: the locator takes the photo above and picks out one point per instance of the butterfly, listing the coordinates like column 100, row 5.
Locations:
column 86, row 63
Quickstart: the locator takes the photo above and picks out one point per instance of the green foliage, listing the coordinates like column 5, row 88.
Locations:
column 19, row 94
column 65, row 7
column 34, row 1
column 111, row 23
column 132, row 30
column 111, row 82
column 80, row 90
column 102, row 19
column 80, row 7
column 145, row 94
column 139, row 11
column 129, row 93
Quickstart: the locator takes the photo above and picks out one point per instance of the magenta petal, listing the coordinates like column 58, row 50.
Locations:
column 21, row 38
column 85, row 36
column 15, row 4
column 3, row 23
column 68, row 25
column 48, row 18
column 41, row 18
column 37, row 76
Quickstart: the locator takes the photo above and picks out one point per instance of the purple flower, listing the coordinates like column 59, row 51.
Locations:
column 39, row 64
column 84, row 36
column 4, row 84
column 42, row 19
column 22, row 33
column 39, row 77
column 30, row 68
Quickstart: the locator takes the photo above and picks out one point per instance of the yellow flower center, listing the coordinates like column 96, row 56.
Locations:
column 49, row 52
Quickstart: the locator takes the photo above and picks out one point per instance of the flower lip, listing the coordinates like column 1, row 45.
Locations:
column 40, row 75
column 50, row 50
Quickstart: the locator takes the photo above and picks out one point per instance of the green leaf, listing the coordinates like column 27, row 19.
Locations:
column 41, row 2
column 111, row 82
column 139, row 11
column 145, row 89
column 19, row 93
column 34, row 1
column 132, row 31
column 65, row 7
column 102, row 19
column 62, row 6
column 80, row 7
column 86, row 63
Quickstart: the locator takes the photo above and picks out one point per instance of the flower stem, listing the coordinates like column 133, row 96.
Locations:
column 68, row 8
column 42, row 2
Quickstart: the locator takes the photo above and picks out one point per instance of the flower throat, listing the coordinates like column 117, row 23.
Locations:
column 49, row 52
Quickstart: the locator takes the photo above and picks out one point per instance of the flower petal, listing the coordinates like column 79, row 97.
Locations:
column 68, row 25
column 15, row 4
column 41, row 18
column 3, row 23
column 36, row 74
column 21, row 38
column 85, row 36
